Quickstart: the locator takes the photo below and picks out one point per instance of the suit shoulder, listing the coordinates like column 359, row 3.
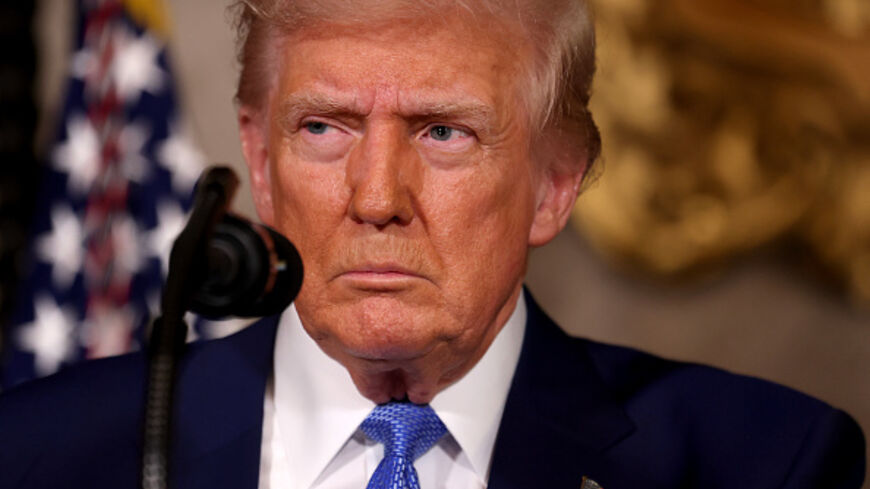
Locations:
column 69, row 422
column 85, row 422
column 631, row 373
column 86, row 384
column 741, row 420
column 115, row 380
column 763, row 421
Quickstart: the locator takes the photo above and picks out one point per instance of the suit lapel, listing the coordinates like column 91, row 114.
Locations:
column 559, row 418
column 219, row 410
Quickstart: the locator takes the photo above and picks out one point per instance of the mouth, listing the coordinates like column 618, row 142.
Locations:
column 380, row 277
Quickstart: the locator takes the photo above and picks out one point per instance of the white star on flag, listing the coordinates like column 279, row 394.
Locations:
column 50, row 336
column 63, row 248
column 134, row 68
column 170, row 221
column 79, row 155
column 183, row 160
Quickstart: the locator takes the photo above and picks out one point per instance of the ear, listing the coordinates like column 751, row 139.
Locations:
column 254, row 138
column 560, row 173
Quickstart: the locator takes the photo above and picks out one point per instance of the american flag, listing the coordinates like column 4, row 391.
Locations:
column 114, row 195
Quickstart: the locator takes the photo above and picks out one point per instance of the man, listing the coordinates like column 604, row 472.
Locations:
column 414, row 152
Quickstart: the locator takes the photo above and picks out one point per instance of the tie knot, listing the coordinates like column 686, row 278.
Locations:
column 405, row 429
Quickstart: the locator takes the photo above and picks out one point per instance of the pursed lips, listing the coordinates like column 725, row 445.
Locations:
column 380, row 275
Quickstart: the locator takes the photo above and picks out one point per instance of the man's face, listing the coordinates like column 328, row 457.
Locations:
column 397, row 160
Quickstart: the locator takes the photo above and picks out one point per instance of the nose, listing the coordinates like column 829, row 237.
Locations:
column 381, row 175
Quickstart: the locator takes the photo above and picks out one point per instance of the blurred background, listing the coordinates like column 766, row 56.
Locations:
column 730, row 224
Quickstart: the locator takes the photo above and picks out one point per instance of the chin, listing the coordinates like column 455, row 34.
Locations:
column 384, row 328
column 392, row 347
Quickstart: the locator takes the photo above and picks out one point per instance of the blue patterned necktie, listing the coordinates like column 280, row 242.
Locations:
column 407, row 431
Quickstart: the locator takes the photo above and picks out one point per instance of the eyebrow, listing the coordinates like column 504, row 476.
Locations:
column 303, row 103
column 471, row 110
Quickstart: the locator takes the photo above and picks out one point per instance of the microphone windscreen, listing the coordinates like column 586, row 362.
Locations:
column 251, row 270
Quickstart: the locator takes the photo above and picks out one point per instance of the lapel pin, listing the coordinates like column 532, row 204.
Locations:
column 588, row 483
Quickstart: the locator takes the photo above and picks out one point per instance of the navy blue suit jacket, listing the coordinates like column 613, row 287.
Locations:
column 576, row 408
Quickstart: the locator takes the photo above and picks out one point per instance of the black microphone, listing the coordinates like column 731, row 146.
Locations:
column 220, row 265
column 250, row 270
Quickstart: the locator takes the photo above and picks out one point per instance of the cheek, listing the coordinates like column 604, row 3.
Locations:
column 483, row 222
column 308, row 202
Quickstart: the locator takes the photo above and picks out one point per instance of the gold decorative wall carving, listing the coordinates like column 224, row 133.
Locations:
column 729, row 125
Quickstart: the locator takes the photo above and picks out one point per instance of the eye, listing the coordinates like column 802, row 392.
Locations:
column 446, row 139
column 446, row 134
column 319, row 140
column 441, row 133
column 316, row 127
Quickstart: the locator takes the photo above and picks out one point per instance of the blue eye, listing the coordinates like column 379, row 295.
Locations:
column 441, row 133
column 316, row 127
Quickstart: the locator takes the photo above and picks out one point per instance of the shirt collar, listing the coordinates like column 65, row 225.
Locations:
column 318, row 407
column 471, row 408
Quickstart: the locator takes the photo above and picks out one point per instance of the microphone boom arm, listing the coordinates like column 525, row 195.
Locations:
column 220, row 265
column 214, row 193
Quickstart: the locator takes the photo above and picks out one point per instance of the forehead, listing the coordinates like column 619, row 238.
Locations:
column 407, row 64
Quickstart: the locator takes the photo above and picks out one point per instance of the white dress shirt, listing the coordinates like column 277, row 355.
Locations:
column 312, row 413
